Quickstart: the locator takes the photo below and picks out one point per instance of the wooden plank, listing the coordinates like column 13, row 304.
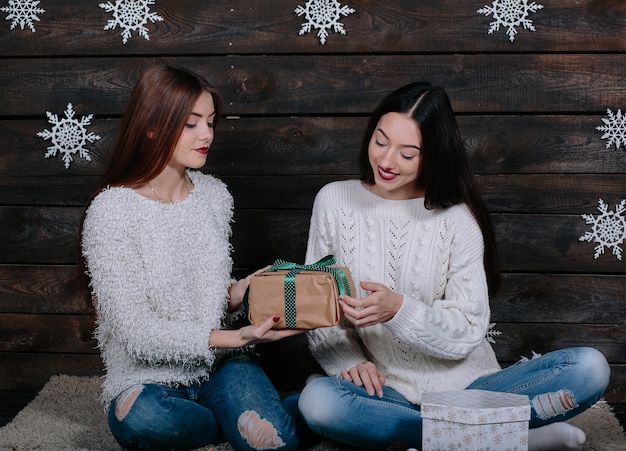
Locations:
column 554, row 298
column 50, row 235
column 23, row 152
column 561, row 298
column 39, row 234
column 547, row 243
column 37, row 333
column 240, row 26
column 552, row 193
column 29, row 372
column 527, row 242
column 519, row 193
column 46, row 333
column 326, row 145
column 57, row 191
column 522, row 339
column 302, row 145
column 539, row 144
column 41, row 289
column 346, row 84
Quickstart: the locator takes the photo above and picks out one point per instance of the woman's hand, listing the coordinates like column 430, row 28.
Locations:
column 250, row 335
column 380, row 306
column 366, row 375
column 238, row 289
column 264, row 332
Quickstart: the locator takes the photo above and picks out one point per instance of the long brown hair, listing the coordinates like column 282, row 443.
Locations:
column 153, row 121
column 154, row 118
column 447, row 178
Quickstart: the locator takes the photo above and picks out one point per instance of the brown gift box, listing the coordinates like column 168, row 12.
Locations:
column 316, row 298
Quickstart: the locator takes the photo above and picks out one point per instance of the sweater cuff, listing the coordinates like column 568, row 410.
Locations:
column 411, row 312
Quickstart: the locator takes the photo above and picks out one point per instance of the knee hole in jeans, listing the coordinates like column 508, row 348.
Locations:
column 550, row 405
column 125, row 401
column 259, row 433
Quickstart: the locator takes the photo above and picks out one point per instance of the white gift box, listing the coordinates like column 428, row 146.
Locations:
column 474, row 420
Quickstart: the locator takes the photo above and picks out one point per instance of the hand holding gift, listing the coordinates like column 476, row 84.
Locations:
column 379, row 306
column 303, row 296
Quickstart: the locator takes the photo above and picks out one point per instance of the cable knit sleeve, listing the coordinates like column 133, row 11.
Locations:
column 153, row 326
column 335, row 348
column 454, row 325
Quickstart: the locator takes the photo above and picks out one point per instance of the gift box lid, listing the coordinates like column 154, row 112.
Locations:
column 475, row 407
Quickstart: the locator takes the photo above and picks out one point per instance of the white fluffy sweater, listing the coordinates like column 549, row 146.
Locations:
column 436, row 341
column 160, row 275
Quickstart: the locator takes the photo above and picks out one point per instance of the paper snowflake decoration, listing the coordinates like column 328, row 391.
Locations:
column 23, row 12
column 614, row 129
column 322, row 15
column 510, row 14
column 607, row 229
column 130, row 15
column 492, row 333
column 68, row 136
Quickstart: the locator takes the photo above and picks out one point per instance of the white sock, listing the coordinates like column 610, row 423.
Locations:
column 556, row 436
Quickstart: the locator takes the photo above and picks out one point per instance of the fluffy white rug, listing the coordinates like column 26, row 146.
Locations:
column 66, row 415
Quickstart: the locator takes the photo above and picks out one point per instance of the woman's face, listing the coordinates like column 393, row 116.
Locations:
column 193, row 145
column 395, row 156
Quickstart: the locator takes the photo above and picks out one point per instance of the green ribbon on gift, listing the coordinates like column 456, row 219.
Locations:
column 290, row 282
column 341, row 280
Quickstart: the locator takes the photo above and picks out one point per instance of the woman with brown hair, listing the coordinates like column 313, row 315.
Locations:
column 155, row 240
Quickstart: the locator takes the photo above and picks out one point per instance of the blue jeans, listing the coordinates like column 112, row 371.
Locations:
column 560, row 385
column 237, row 404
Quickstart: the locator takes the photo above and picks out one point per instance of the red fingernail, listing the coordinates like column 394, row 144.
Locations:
column 276, row 318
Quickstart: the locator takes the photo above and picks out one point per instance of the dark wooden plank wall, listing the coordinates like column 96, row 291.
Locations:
column 296, row 110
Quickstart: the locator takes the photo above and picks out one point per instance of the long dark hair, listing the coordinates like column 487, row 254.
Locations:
column 154, row 118
column 447, row 178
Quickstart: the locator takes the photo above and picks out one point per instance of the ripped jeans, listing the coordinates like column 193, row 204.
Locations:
column 238, row 404
column 560, row 385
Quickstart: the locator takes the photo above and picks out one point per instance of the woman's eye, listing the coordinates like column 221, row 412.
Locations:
column 211, row 124
column 378, row 143
column 190, row 125
column 407, row 157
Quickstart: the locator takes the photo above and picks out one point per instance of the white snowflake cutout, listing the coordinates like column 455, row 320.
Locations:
column 68, row 136
column 492, row 332
column 23, row 12
column 614, row 129
column 130, row 15
column 322, row 15
column 607, row 229
column 510, row 14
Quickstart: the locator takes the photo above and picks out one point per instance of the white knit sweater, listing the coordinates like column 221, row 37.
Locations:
column 436, row 341
column 160, row 273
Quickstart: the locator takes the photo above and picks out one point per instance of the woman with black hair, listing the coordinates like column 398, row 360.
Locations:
column 416, row 234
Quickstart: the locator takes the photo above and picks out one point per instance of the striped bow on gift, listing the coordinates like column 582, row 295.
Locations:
column 290, row 282
column 315, row 305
